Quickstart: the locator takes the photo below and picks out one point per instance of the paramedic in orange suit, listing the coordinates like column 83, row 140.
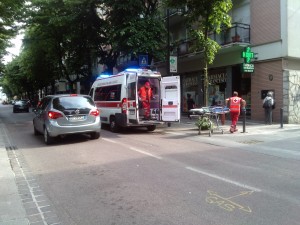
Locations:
column 235, row 103
column 145, row 95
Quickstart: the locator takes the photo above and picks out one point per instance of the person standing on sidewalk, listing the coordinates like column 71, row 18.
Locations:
column 190, row 104
column 268, row 105
column 235, row 105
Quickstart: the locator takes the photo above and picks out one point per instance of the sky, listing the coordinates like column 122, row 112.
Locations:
column 15, row 49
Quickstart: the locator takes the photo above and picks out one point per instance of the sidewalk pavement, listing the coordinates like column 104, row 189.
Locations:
column 251, row 127
column 12, row 211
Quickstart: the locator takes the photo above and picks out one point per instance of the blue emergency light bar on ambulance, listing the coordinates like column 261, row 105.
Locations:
column 124, row 102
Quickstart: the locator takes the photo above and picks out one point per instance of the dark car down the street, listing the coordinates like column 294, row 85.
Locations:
column 21, row 106
column 60, row 115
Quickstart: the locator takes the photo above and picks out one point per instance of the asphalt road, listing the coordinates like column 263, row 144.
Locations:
column 171, row 176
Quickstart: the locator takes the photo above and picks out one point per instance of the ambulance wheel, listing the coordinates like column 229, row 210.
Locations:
column 113, row 126
column 151, row 128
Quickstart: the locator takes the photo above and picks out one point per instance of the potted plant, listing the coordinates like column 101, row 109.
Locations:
column 236, row 38
column 204, row 123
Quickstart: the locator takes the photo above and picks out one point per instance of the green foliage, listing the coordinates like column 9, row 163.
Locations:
column 205, row 17
column 10, row 15
column 134, row 27
column 66, row 38
column 204, row 123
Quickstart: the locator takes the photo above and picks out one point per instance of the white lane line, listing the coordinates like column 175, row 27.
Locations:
column 191, row 168
column 224, row 179
column 145, row 153
column 109, row 140
column 134, row 149
column 175, row 133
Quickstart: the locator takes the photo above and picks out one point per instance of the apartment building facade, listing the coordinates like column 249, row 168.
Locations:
column 270, row 30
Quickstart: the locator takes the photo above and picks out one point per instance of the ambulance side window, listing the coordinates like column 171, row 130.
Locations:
column 171, row 92
column 131, row 91
column 108, row 93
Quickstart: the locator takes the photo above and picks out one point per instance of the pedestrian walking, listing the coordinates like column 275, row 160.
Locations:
column 268, row 105
column 235, row 105
column 190, row 104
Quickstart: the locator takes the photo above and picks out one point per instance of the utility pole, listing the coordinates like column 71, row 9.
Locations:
column 168, row 43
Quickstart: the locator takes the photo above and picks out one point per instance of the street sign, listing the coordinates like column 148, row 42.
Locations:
column 173, row 64
column 143, row 60
column 247, row 68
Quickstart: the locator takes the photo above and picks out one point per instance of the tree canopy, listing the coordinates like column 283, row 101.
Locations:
column 11, row 12
column 67, row 38
column 205, row 17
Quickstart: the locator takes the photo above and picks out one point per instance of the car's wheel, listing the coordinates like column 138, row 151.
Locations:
column 47, row 139
column 14, row 111
column 95, row 135
column 35, row 131
column 27, row 110
column 151, row 128
column 114, row 127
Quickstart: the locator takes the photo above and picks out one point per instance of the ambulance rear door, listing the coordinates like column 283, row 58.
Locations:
column 170, row 99
column 132, row 97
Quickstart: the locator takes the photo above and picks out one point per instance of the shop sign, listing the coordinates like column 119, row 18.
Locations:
column 247, row 67
column 190, row 81
column 247, row 55
column 217, row 78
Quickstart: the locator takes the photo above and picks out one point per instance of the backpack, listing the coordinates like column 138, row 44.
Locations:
column 267, row 104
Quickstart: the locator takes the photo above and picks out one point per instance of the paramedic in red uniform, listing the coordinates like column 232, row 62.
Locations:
column 235, row 103
column 145, row 95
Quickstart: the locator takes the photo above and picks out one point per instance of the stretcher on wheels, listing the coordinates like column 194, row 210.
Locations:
column 210, row 116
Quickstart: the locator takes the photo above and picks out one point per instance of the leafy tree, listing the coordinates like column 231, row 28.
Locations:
column 205, row 16
column 133, row 27
column 71, row 31
column 10, row 14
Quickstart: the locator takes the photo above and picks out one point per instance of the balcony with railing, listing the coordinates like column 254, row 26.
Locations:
column 237, row 34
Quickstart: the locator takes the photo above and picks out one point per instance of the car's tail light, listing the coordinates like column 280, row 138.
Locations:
column 124, row 105
column 95, row 112
column 54, row 115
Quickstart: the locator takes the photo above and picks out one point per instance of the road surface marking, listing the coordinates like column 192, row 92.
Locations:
column 145, row 153
column 109, row 140
column 133, row 148
column 226, row 203
column 224, row 179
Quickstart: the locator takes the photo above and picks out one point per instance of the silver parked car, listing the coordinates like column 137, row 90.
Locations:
column 60, row 115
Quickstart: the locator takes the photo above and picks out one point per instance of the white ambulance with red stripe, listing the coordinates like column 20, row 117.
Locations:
column 116, row 96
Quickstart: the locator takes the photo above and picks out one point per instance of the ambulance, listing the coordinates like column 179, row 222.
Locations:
column 116, row 96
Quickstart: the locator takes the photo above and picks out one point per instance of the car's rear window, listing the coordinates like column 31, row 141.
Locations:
column 72, row 102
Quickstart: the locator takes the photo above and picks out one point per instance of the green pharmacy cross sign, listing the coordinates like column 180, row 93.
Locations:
column 247, row 55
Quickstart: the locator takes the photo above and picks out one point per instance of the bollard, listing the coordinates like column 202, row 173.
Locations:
column 244, row 121
column 281, row 117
